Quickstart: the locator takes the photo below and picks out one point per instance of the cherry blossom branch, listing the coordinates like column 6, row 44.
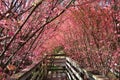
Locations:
column 11, row 40
column 40, row 29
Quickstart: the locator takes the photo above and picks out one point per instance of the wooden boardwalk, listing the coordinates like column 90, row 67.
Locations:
column 56, row 67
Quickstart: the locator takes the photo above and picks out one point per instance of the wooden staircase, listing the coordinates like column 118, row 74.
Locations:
column 56, row 67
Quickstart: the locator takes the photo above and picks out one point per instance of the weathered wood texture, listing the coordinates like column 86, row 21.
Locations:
column 56, row 67
column 74, row 72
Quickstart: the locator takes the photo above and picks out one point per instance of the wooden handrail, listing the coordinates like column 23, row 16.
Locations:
column 32, row 72
column 74, row 72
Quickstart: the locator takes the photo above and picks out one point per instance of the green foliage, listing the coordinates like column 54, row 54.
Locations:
column 58, row 49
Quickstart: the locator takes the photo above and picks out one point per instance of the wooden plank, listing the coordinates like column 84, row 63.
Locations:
column 100, row 77
column 57, row 55
column 55, row 69
column 74, row 63
column 68, row 74
column 74, row 72
column 71, row 74
column 56, row 60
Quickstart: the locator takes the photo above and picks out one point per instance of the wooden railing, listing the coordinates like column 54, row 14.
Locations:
column 36, row 71
column 39, row 70
column 74, row 72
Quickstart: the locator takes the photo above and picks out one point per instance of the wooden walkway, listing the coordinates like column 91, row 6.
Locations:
column 56, row 67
